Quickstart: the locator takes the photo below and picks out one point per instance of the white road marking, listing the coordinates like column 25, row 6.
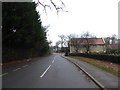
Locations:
column 16, row 69
column 53, row 60
column 24, row 66
column 3, row 74
column 45, row 71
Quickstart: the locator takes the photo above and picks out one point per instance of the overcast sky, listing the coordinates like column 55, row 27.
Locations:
column 99, row 17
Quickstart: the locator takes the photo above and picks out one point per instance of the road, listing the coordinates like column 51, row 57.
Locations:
column 46, row 72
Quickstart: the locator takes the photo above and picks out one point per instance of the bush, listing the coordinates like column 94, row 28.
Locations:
column 103, row 57
column 117, row 52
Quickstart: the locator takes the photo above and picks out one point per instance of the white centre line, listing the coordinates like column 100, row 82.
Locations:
column 53, row 60
column 16, row 69
column 3, row 74
column 24, row 66
column 45, row 71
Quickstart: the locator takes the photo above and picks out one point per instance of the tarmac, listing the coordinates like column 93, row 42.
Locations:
column 101, row 77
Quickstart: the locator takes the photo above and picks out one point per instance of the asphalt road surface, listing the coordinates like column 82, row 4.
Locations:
column 46, row 72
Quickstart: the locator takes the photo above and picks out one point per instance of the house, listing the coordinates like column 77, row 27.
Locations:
column 83, row 45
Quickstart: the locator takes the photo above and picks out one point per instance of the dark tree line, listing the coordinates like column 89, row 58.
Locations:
column 23, row 36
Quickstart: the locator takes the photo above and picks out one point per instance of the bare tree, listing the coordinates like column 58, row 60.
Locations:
column 63, row 40
column 51, row 4
column 113, row 38
column 73, row 36
column 57, row 45
column 87, row 41
column 107, row 40
column 69, row 37
column 110, row 40
column 77, row 44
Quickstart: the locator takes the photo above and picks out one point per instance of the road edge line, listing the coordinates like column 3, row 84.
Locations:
column 90, row 76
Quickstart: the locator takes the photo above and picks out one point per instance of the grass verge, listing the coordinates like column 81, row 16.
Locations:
column 111, row 68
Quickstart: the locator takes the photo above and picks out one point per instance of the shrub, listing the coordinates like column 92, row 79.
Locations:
column 103, row 57
column 117, row 52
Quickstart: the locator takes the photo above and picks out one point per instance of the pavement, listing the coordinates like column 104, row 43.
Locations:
column 45, row 72
column 106, row 79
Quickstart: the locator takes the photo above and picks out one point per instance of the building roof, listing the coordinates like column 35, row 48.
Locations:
column 94, row 41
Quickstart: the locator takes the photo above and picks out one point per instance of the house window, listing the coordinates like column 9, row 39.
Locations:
column 94, row 46
column 100, row 46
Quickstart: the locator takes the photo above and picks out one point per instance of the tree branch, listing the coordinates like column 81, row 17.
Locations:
column 44, row 6
column 57, row 8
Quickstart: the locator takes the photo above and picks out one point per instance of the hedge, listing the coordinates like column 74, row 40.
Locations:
column 103, row 57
